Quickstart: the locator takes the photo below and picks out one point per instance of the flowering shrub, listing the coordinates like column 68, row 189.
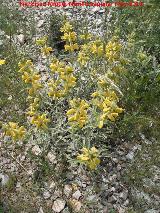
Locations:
column 98, row 109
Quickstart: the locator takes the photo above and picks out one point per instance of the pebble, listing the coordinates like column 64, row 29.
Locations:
column 67, row 190
column 58, row 205
column 75, row 205
column 46, row 194
column 3, row 179
column 36, row 150
column 51, row 157
column 77, row 195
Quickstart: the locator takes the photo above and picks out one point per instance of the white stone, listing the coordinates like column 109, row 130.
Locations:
column 52, row 185
column 36, row 150
column 40, row 210
column 46, row 194
column 40, row 23
column 4, row 179
column 20, row 38
column 51, row 157
column 58, row 205
column 77, row 195
column 67, row 190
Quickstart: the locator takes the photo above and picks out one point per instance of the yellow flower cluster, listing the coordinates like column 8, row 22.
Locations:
column 87, row 50
column 89, row 157
column 86, row 36
column 77, row 115
column 2, row 61
column 83, row 56
column 40, row 121
column 113, row 49
column 14, row 131
column 63, row 79
column 70, row 37
column 96, row 48
column 30, row 76
column 106, row 100
column 44, row 48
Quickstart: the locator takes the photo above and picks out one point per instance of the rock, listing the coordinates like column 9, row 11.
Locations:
column 126, row 203
column 51, row 157
column 112, row 199
column 77, row 194
column 121, row 210
column 67, row 190
column 58, row 205
column 119, row 167
column 20, row 38
column 115, row 160
column 36, row 150
column 3, row 179
column 18, row 185
column 105, row 210
column 123, row 195
column 91, row 198
column 46, row 194
column 130, row 155
column 52, row 185
column 75, row 205
column 112, row 189
column 57, row 193
column 152, row 211
column 40, row 23
column 113, row 177
column 40, row 210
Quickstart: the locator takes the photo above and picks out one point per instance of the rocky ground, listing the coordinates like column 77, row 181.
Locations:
column 107, row 192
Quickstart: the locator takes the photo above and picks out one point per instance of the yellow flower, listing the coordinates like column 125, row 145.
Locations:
column 77, row 115
column 86, row 36
column 2, row 61
column 66, row 28
column 25, row 66
column 30, row 77
column 42, row 41
column 106, row 102
column 33, row 107
column 14, row 131
column 35, row 87
column 71, row 47
column 97, row 49
column 40, row 121
column 71, row 36
column 89, row 157
column 82, row 58
column 46, row 50
column 113, row 51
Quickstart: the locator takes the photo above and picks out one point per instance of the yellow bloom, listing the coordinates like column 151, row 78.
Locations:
column 86, row 36
column 14, row 131
column 113, row 51
column 42, row 41
column 77, row 115
column 89, row 157
column 82, row 58
column 2, row 61
column 71, row 47
column 46, row 50
column 30, row 77
column 25, row 66
column 71, row 36
column 66, row 28
column 35, row 87
column 106, row 102
column 40, row 121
